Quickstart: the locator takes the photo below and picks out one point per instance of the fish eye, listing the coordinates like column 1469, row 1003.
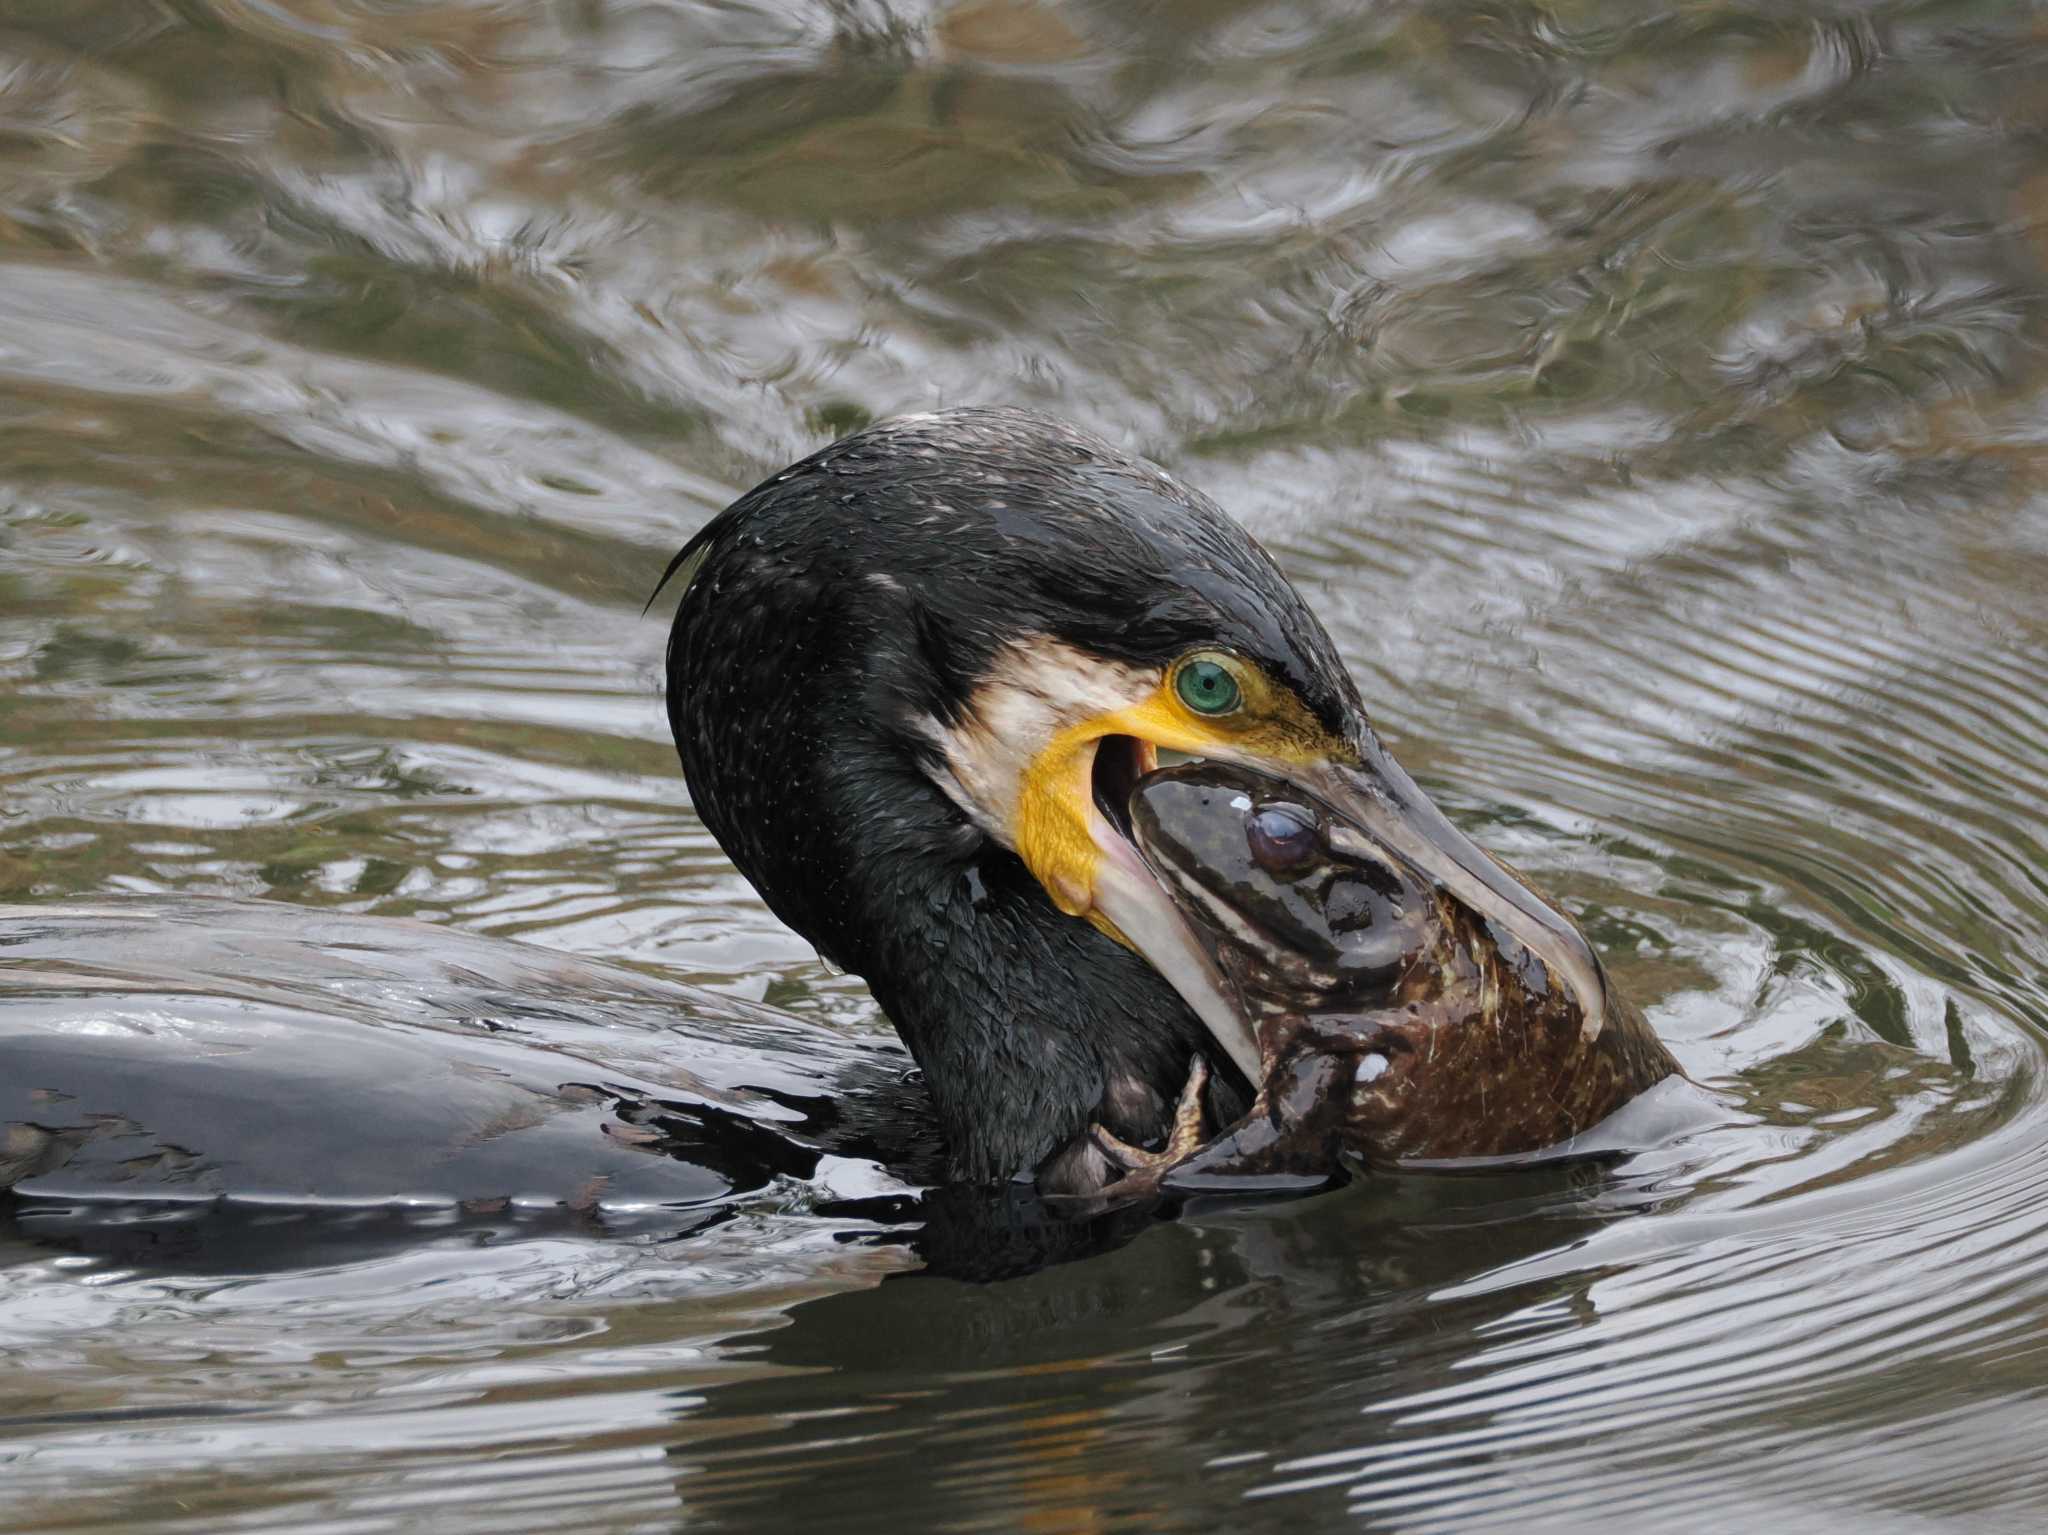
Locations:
column 1282, row 838
column 1206, row 686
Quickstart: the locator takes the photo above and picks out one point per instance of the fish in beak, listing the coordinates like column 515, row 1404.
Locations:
column 1057, row 741
column 1408, row 998
column 1372, row 811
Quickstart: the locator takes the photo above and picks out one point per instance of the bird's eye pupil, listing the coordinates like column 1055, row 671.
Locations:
column 1207, row 687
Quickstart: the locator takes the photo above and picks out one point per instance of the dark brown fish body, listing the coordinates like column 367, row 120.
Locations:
column 1393, row 1020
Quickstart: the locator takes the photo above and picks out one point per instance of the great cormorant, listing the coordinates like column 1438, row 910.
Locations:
column 913, row 679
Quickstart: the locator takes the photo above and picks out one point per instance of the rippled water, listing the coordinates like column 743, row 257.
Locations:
column 1654, row 403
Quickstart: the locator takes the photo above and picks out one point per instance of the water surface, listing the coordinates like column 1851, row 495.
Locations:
column 1654, row 402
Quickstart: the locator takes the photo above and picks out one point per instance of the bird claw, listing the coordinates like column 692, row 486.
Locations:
column 1143, row 1170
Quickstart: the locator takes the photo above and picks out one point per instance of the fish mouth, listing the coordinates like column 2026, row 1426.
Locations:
column 1375, row 812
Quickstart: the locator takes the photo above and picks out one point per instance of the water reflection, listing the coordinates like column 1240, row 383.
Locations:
column 1651, row 402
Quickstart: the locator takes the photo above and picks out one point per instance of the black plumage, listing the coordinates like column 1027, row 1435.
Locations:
column 836, row 608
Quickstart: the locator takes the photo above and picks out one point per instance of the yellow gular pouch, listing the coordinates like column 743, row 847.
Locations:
column 1209, row 703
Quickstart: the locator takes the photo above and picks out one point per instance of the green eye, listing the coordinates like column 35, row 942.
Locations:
column 1207, row 687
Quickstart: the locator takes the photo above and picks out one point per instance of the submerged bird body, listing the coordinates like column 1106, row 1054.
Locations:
column 194, row 1052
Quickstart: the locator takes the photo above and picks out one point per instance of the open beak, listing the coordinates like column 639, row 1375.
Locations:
column 1129, row 895
column 1376, row 801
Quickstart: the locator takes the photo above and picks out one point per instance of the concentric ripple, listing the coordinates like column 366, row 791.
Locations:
column 1651, row 399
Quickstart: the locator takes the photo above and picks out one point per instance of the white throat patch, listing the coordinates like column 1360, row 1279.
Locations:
column 1035, row 688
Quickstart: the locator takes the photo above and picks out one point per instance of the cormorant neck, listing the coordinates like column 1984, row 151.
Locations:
column 829, row 617
column 1028, row 1024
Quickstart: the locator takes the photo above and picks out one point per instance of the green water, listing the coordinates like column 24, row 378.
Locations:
column 1653, row 401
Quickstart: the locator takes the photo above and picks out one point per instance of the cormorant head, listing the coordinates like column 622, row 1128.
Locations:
column 913, row 679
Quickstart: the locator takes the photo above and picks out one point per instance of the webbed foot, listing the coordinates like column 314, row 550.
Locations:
column 1142, row 1169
